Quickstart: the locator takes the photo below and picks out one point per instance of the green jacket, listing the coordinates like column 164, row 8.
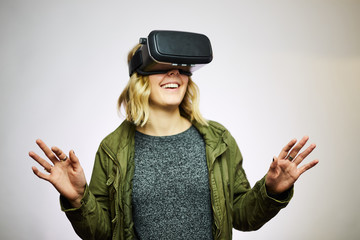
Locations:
column 106, row 211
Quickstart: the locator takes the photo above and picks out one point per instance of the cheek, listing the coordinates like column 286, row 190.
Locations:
column 154, row 80
column 185, row 80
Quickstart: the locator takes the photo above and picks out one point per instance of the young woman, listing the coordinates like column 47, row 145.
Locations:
column 167, row 173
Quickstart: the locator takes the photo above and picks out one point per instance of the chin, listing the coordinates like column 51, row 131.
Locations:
column 172, row 105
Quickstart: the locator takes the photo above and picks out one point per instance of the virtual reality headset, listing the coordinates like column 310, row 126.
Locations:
column 163, row 51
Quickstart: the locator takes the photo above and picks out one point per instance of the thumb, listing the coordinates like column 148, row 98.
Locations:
column 274, row 163
column 74, row 160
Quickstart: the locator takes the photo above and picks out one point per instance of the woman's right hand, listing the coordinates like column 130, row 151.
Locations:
column 65, row 173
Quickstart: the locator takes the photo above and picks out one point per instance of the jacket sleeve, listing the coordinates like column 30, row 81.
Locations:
column 253, row 207
column 92, row 219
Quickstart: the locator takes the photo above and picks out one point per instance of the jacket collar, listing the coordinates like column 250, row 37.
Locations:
column 119, row 139
column 216, row 138
column 215, row 135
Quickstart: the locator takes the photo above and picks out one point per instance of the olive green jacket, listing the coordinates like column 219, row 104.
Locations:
column 106, row 211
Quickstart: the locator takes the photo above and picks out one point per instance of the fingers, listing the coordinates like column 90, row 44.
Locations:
column 47, row 166
column 286, row 149
column 47, row 151
column 308, row 166
column 304, row 154
column 59, row 153
column 55, row 155
column 297, row 148
column 40, row 174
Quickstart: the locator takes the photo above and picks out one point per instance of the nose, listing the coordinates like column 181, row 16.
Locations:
column 173, row 72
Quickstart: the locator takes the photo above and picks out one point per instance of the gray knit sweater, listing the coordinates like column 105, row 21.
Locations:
column 171, row 195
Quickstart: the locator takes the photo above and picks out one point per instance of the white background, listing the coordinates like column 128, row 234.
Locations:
column 281, row 69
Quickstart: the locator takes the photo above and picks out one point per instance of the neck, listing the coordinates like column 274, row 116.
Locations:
column 164, row 123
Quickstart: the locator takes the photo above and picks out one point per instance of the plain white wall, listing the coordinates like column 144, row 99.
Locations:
column 281, row 69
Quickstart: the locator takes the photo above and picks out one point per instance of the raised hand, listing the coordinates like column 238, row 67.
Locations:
column 65, row 173
column 285, row 170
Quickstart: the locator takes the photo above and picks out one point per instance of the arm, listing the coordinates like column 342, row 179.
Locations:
column 88, row 215
column 92, row 219
column 253, row 207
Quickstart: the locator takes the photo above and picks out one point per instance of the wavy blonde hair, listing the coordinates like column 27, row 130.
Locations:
column 135, row 99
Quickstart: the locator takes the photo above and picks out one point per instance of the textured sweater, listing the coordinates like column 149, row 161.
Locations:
column 171, row 195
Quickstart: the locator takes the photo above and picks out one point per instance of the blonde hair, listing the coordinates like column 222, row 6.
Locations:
column 135, row 99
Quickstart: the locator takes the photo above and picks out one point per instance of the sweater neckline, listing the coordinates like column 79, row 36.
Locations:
column 167, row 137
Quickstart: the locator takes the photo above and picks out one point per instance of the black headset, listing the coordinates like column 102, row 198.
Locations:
column 163, row 51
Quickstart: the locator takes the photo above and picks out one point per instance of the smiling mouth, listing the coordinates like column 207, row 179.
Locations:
column 170, row 86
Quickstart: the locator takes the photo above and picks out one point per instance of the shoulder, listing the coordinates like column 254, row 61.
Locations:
column 214, row 131
column 217, row 125
column 120, row 137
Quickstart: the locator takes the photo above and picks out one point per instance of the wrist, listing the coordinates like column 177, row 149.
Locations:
column 278, row 195
column 75, row 203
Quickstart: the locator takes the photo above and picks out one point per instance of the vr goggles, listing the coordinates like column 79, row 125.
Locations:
column 163, row 51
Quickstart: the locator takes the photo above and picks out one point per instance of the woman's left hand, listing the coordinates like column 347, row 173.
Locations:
column 285, row 170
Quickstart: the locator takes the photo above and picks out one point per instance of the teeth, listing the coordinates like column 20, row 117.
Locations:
column 170, row 85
